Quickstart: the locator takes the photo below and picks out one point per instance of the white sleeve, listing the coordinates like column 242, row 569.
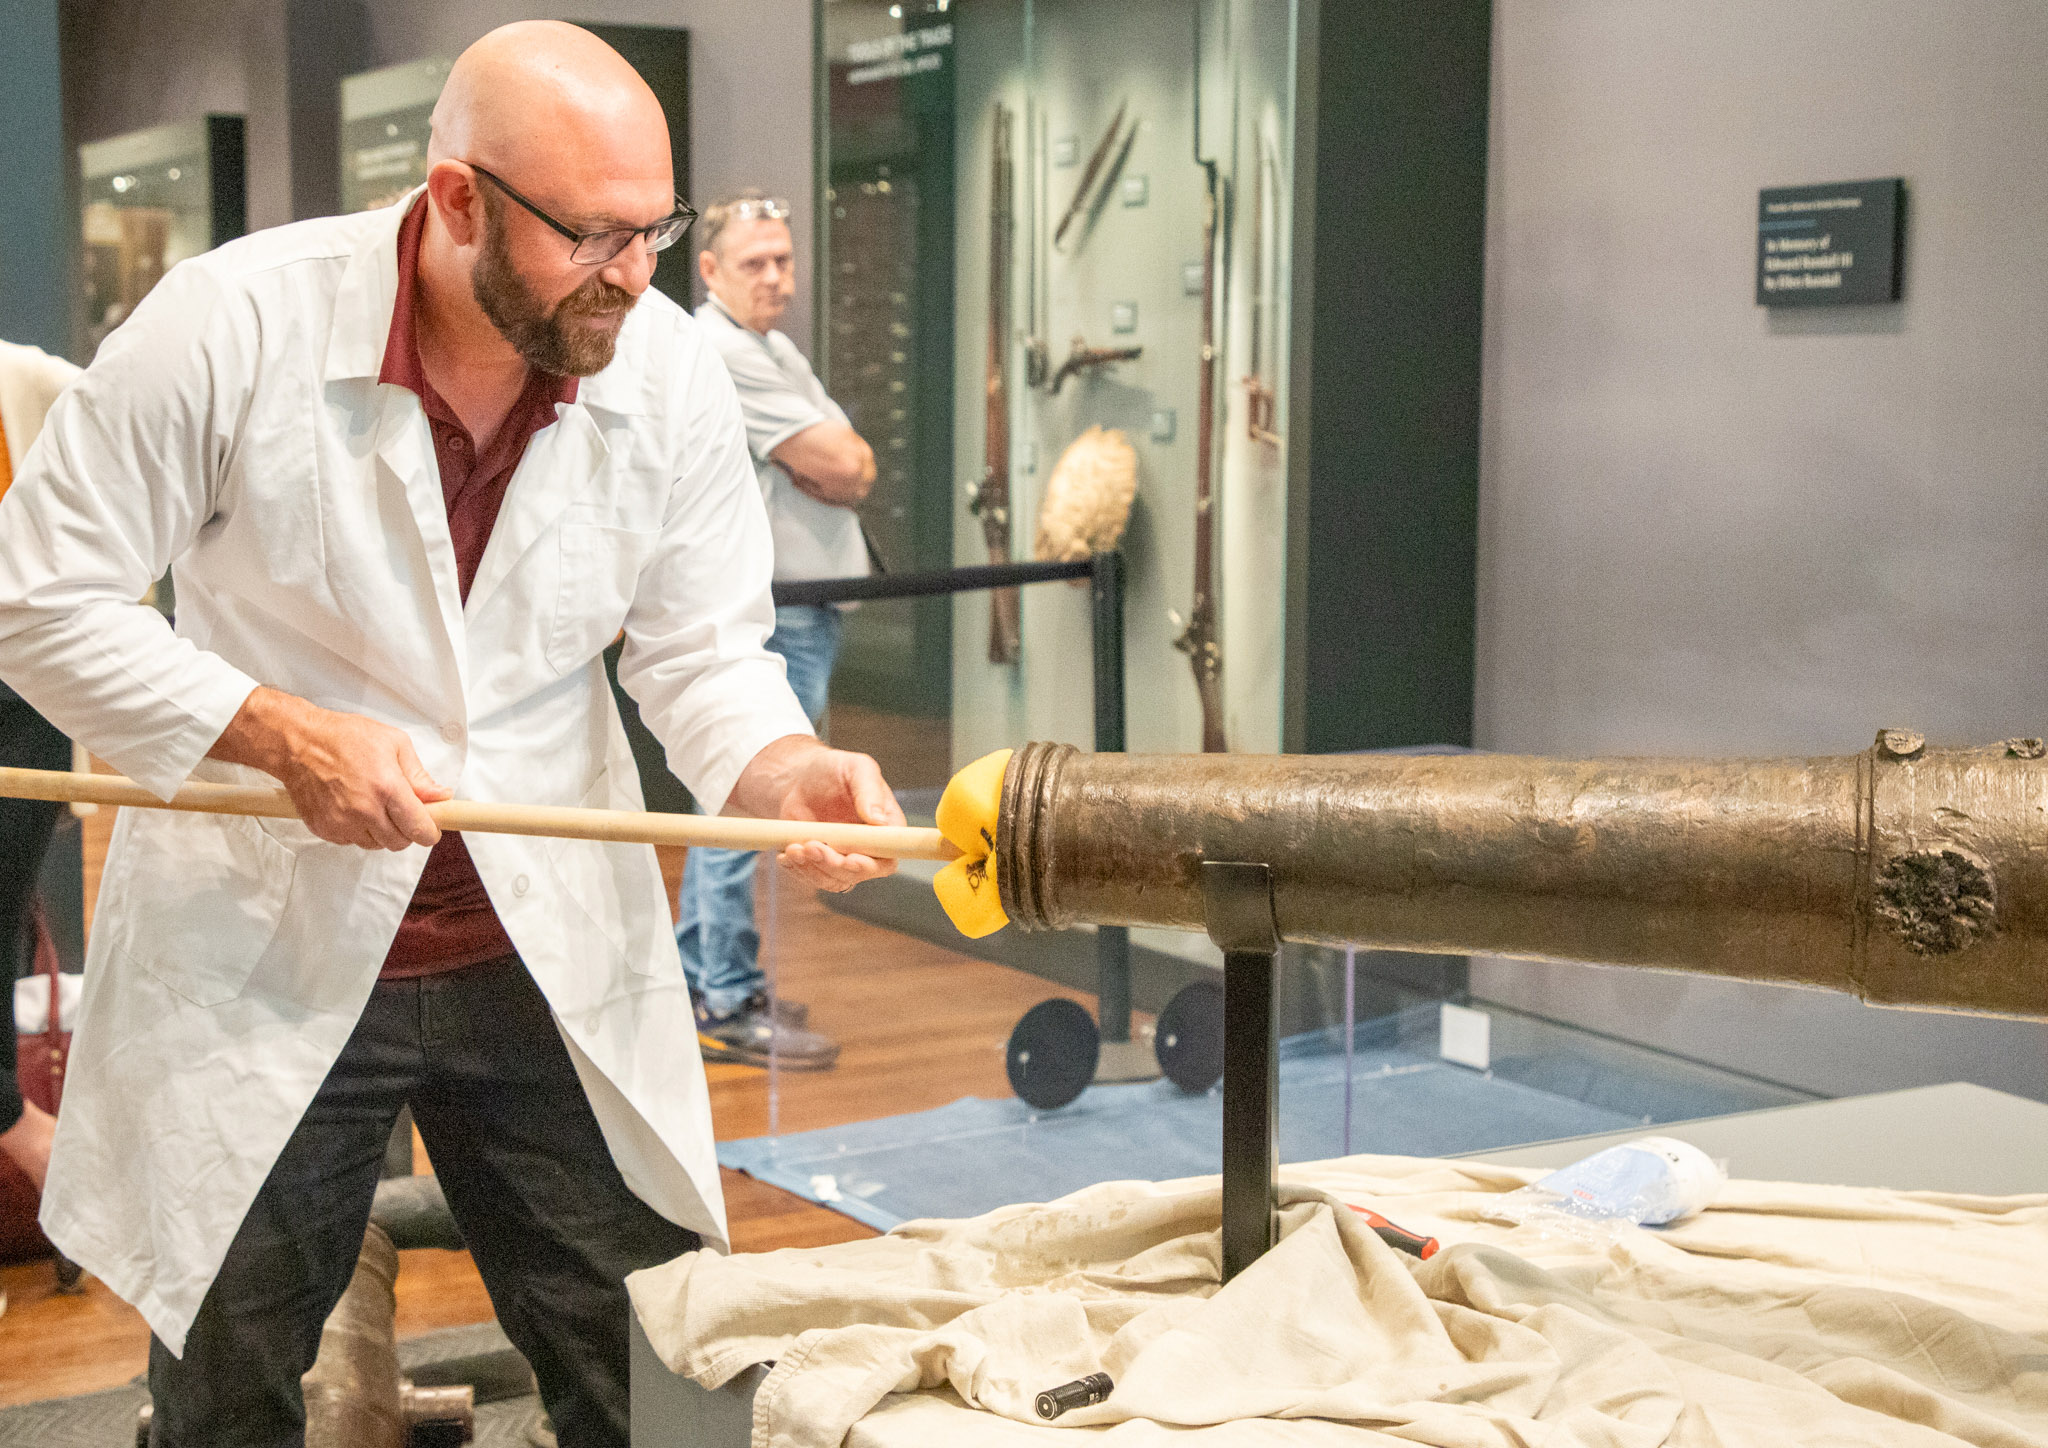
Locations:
column 118, row 483
column 695, row 659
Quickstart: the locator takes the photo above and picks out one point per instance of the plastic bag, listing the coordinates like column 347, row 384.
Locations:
column 1649, row 1182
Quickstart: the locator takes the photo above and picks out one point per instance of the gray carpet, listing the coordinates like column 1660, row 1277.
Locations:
column 107, row 1419
column 96, row 1420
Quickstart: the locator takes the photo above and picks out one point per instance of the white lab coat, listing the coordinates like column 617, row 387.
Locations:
column 235, row 427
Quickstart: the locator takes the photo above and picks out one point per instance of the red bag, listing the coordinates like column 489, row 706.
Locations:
column 39, row 1067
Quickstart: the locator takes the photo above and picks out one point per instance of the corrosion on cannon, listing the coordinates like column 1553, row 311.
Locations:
column 1907, row 875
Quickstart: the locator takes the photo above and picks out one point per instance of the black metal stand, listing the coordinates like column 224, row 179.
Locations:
column 1112, row 942
column 1238, row 905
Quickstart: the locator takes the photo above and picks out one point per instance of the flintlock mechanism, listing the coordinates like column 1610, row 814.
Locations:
column 1906, row 875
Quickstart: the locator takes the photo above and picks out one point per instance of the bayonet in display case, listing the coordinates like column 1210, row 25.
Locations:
column 1092, row 171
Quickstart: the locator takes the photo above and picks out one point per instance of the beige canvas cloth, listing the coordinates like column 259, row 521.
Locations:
column 1784, row 1315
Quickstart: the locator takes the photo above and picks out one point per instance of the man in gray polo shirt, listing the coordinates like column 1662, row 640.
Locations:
column 814, row 470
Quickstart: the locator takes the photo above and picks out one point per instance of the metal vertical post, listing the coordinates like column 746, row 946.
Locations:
column 1238, row 906
column 1112, row 942
column 1350, row 1034
column 1106, row 594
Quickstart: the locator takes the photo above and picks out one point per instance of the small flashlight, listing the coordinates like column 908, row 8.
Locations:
column 1080, row 1393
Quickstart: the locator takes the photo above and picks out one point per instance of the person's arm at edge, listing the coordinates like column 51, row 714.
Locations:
column 119, row 481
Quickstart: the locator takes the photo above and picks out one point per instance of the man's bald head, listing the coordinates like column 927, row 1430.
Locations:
column 549, row 117
column 548, row 105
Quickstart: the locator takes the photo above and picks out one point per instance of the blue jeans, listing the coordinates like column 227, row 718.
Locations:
column 715, row 903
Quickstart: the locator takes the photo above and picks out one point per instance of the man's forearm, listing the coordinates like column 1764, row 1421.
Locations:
column 353, row 780
column 262, row 732
column 841, row 495
column 829, row 461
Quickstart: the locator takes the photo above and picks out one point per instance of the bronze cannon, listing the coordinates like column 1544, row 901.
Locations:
column 1907, row 875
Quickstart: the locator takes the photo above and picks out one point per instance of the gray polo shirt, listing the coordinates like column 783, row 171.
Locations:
column 779, row 397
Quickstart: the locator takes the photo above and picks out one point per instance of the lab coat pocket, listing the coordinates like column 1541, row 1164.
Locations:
column 598, row 572
column 609, row 883
column 194, row 899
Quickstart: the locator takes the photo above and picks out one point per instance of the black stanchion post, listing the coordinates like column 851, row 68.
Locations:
column 1237, row 899
column 1112, row 942
column 1106, row 591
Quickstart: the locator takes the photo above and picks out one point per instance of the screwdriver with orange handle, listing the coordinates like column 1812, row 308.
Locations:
column 1399, row 1238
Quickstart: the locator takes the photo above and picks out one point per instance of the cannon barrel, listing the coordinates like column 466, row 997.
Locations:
column 1907, row 875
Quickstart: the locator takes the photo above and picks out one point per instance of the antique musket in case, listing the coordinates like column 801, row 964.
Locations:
column 989, row 497
column 1906, row 875
column 1083, row 358
column 1199, row 636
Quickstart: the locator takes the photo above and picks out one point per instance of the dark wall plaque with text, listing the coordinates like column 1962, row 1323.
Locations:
column 1833, row 245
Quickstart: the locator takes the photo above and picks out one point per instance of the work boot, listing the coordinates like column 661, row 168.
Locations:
column 752, row 1032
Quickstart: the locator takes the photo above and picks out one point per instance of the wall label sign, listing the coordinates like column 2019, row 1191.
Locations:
column 1836, row 245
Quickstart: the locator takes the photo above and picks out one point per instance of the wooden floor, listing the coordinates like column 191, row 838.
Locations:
column 918, row 1026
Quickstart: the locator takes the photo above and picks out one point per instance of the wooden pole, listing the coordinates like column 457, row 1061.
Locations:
column 477, row 817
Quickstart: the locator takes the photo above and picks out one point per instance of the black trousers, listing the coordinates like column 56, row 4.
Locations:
column 27, row 741
column 551, row 1224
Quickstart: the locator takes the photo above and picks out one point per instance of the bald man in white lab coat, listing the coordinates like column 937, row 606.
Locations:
column 413, row 471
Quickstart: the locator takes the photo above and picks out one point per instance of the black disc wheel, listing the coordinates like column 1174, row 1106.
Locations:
column 1052, row 1053
column 1189, row 1039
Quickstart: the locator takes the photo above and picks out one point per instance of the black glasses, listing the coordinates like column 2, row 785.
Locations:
column 595, row 248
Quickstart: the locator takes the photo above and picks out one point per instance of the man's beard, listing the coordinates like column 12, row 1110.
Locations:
column 544, row 336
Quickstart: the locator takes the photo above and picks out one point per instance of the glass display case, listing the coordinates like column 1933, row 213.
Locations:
column 1047, row 223
column 385, row 115
column 1041, row 217
column 151, row 199
column 1039, row 221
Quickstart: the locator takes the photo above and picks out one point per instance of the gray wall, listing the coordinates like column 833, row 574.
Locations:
column 34, row 238
column 1705, row 528
column 136, row 63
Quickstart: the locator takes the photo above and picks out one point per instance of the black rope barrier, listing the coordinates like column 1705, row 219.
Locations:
column 923, row 585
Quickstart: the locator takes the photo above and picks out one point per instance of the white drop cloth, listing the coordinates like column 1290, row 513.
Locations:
column 1784, row 1316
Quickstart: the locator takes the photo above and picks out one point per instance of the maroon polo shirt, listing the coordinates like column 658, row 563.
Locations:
column 450, row 922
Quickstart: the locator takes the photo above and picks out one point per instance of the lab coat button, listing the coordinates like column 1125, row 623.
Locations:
column 519, row 885
column 452, row 733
